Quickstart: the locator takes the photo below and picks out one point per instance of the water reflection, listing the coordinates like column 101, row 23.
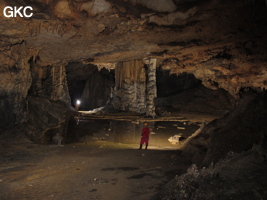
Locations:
column 128, row 132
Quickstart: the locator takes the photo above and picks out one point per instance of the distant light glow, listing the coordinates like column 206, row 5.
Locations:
column 78, row 102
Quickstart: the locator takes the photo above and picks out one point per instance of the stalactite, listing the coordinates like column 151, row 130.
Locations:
column 130, row 86
column 50, row 82
column 129, row 71
column 108, row 66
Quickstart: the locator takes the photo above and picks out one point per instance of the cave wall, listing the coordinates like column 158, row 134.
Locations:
column 237, row 131
column 49, row 82
column 46, row 118
column 14, row 84
column 22, row 78
column 48, row 103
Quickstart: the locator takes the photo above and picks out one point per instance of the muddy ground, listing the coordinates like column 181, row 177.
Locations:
column 104, row 163
column 91, row 168
column 91, row 171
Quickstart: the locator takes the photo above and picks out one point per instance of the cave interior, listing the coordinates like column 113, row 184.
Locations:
column 191, row 68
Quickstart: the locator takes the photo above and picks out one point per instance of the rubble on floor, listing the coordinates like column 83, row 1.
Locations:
column 238, row 176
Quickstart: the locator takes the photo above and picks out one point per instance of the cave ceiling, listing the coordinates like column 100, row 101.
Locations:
column 220, row 41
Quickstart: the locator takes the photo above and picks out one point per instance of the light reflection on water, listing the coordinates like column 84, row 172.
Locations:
column 128, row 132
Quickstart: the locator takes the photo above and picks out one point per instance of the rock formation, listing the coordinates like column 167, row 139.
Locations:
column 151, row 87
column 228, row 179
column 220, row 42
column 117, row 51
column 237, row 131
column 130, row 88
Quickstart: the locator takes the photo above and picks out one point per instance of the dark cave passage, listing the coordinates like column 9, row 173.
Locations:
column 170, row 84
column 184, row 93
column 91, row 86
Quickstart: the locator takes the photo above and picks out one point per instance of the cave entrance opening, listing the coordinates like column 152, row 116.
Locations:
column 88, row 84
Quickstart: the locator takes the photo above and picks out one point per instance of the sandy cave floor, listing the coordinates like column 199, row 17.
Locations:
column 91, row 170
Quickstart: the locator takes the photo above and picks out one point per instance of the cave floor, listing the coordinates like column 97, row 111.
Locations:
column 91, row 169
column 85, row 171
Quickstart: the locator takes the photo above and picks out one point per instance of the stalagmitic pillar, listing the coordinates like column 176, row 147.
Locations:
column 59, row 84
column 50, row 82
column 151, row 88
column 130, row 89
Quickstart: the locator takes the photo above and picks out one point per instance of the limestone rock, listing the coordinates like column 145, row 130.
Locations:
column 96, row 7
column 176, row 18
column 157, row 5
column 62, row 9
column 14, row 84
column 130, row 88
column 236, row 131
column 46, row 119
column 227, row 179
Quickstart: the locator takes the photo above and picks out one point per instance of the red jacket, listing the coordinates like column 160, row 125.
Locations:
column 145, row 132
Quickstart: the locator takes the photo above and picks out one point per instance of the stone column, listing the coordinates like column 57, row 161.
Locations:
column 130, row 89
column 151, row 88
column 59, row 85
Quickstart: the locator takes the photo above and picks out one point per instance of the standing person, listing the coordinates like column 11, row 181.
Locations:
column 145, row 135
